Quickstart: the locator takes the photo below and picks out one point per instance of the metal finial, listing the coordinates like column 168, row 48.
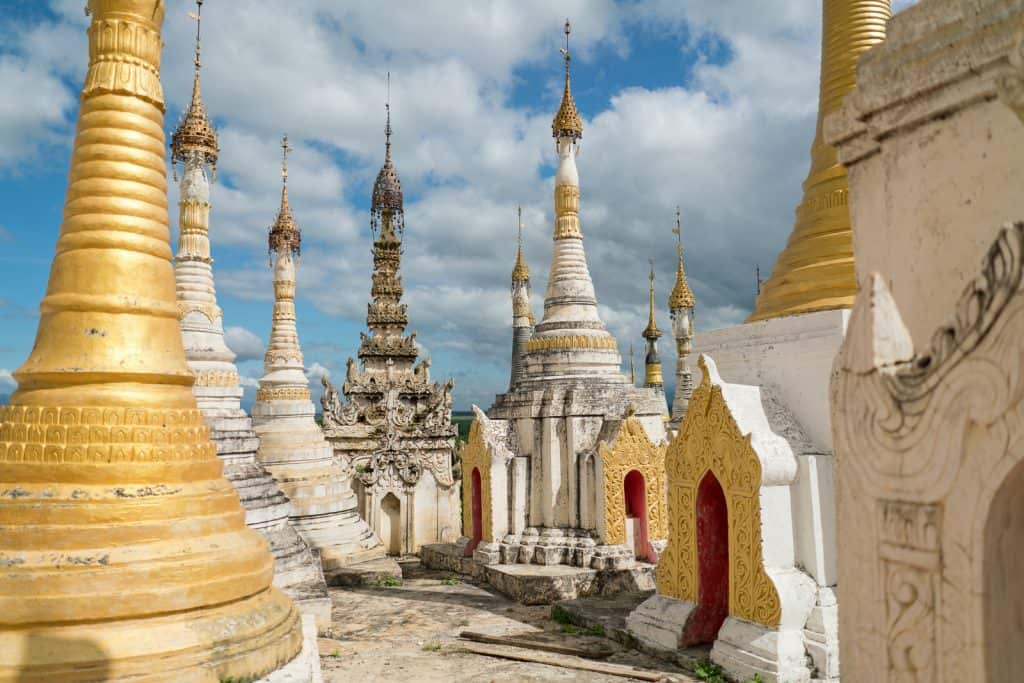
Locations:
column 198, row 16
column 757, row 276
column 284, row 158
column 678, row 232
column 651, row 276
column 565, row 50
column 519, row 213
column 387, row 124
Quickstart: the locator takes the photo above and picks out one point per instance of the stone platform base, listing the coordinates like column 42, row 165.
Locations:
column 536, row 584
column 305, row 668
column 371, row 573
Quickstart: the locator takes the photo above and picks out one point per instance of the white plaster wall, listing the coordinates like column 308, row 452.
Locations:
column 793, row 354
column 955, row 209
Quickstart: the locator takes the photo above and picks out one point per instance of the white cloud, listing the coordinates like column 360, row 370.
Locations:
column 7, row 382
column 246, row 345
column 730, row 145
column 316, row 371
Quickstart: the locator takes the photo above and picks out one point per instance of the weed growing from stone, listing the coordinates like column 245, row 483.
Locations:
column 451, row 581
column 388, row 581
column 432, row 647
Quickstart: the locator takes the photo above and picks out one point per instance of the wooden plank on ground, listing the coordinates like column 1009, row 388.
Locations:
column 597, row 651
column 569, row 662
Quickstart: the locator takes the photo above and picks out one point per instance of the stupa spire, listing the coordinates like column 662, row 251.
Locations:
column 292, row 445
column 284, row 234
column 815, row 270
column 124, row 542
column 195, row 133
column 571, row 328
column 652, row 363
column 567, row 122
column 681, row 305
column 522, row 313
column 217, row 388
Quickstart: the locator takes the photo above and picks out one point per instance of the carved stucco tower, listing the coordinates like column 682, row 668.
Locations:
column 681, row 309
column 123, row 551
column 218, row 393
column 292, row 445
column 523, row 319
column 391, row 424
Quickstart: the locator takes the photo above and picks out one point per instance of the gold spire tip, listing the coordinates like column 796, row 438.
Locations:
column 567, row 122
column 520, row 272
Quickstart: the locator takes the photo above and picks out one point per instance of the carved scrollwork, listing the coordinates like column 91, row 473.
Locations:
column 710, row 440
column 633, row 450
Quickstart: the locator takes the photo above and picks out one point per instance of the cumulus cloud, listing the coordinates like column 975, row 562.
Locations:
column 728, row 141
column 316, row 371
column 246, row 345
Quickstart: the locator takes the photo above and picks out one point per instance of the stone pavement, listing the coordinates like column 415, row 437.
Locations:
column 410, row 632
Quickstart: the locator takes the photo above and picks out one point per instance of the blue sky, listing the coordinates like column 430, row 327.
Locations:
column 709, row 105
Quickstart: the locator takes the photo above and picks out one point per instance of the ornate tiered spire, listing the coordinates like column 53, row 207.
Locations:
column 681, row 296
column 523, row 321
column 520, row 272
column 652, row 364
column 386, row 210
column 681, row 308
column 195, row 133
column 567, row 122
column 285, row 233
column 386, row 315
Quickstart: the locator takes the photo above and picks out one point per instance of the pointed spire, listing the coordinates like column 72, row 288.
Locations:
column 681, row 296
column 520, row 272
column 285, row 233
column 567, row 122
column 651, row 331
column 386, row 205
column 195, row 133
column 632, row 366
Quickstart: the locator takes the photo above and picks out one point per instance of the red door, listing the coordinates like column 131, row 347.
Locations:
column 636, row 509
column 712, row 563
column 478, row 512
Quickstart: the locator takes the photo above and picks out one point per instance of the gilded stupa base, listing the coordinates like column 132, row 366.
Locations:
column 124, row 553
column 242, row 640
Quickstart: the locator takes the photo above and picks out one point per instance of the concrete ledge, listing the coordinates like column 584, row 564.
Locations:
column 370, row 573
column 537, row 584
column 305, row 668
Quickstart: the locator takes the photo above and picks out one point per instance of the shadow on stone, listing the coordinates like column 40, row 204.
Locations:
column 75, row 659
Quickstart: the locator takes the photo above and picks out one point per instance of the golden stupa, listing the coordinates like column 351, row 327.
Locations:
column 123, row 551
column 815, row 270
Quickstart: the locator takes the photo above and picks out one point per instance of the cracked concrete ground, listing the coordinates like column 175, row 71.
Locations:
column 410, row 633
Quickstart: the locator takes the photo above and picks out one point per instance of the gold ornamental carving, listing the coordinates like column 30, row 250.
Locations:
column 633, row 450
column 210, row 310
column 577, row 341
column 217, row 378
column 283, row 394
column 815, row 271
column 52, row 434
column 711, row 441
column 567, row 207
column 476, row 454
